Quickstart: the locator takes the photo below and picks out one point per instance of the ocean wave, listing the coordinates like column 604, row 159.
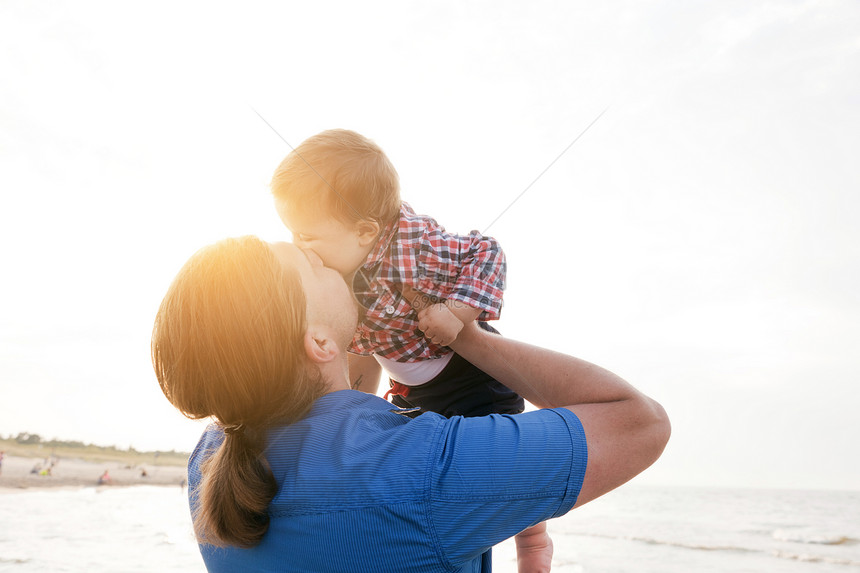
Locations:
column 696, row 546
column 815, row 539
column 814, row 558
column 672, row 543
column 812, row 537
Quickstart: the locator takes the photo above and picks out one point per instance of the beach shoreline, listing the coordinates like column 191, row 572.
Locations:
column 18, row 473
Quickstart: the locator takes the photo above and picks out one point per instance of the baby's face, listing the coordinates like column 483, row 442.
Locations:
column 341, row 246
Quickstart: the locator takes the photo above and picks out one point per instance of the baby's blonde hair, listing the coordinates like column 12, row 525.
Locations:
column 342, row 172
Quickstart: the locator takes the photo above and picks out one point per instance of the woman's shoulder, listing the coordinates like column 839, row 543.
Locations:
column 352, row 448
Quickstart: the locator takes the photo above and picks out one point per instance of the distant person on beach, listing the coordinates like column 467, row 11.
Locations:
column 104, row 479
column 2, row 455
column 302, row 473
column 339, row 195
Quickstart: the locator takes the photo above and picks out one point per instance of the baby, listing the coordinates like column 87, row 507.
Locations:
column 340, row 196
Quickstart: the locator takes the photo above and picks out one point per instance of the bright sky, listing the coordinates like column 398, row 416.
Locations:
column 700, row 239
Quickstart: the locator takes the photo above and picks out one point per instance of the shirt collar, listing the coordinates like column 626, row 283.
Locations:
column 335, row 402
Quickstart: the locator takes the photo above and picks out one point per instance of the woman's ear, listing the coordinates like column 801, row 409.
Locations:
column 319, row 347
column 368, row 231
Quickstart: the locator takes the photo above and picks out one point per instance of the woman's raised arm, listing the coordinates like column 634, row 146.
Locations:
column 626, row 431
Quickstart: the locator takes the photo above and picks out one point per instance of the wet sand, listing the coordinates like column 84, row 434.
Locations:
column 70, row 472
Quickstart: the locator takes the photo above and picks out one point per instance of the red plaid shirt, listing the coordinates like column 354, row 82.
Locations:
column 416, row 251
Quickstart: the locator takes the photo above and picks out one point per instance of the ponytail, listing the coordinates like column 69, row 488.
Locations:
column 234, row 495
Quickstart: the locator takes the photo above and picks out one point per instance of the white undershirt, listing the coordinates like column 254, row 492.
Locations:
column 414, row 373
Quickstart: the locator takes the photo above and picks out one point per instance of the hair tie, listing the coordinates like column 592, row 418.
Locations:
column 234, row 429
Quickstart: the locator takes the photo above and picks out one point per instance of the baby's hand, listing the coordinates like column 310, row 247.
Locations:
column 439, row 324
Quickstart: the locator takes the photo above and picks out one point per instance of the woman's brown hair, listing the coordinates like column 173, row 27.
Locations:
column 228, row 344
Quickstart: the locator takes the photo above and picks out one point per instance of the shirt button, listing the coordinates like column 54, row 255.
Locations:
column 389, row 309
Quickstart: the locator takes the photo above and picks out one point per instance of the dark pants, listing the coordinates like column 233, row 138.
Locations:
column 462, row 390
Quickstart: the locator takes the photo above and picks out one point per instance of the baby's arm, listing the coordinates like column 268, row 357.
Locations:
column 469, row 269
column 463, row 311
column 440, row 325
column 449, row 318
column 444, row 320
column 480, row 281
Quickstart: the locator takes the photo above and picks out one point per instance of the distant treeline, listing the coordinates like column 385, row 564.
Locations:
column 28, row 439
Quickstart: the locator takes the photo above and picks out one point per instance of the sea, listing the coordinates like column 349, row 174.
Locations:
column 638, row 529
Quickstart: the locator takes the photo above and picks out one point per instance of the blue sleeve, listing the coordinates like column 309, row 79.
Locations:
column 497, row 475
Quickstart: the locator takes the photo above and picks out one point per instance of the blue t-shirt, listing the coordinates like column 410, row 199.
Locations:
column 363, row 488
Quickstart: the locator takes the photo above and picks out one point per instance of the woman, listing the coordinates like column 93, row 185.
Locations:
column 297, row 472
